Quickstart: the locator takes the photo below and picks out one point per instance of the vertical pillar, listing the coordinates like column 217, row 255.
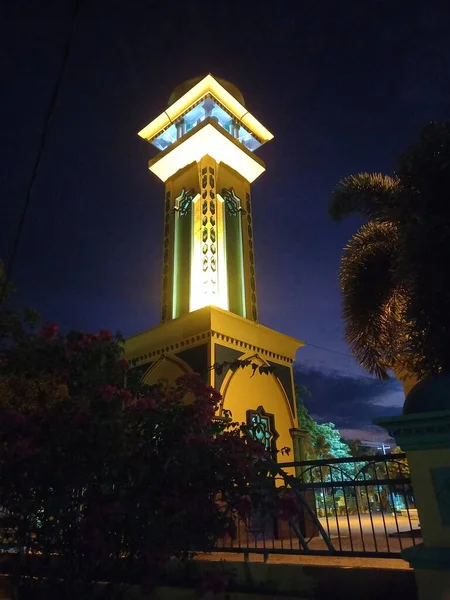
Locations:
column 425, row 437
column 300, row 439
column 249, row 259
column 181, row 128
column 299, row 443
column 235, row 128
column 168, row 257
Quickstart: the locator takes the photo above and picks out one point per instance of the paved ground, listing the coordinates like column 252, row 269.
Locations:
column 378, row 524
column 367, row 534
column 302, row 559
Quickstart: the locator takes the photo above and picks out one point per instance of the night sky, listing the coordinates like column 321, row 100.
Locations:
column 344, row 87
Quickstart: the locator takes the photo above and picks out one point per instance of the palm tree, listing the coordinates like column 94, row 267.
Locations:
column 374, row 300
column 394, row 272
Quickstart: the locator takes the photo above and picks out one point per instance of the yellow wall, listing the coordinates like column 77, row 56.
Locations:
column 421, row 462
column 168, row 368
column 242, row 392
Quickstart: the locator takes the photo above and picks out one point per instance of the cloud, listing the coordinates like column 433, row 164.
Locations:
column 391, row 398
column 374, row 434
column 350, row 400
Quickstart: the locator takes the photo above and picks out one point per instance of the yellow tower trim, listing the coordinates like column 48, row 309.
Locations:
column 208, row 138
column 208, row 85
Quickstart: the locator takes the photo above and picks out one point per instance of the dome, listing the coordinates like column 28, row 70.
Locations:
column 429, row 395
column 184, row 87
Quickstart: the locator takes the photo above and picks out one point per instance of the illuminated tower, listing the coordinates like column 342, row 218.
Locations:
column 206, row 140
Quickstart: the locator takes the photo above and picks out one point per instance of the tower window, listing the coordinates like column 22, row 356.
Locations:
column 261, row 426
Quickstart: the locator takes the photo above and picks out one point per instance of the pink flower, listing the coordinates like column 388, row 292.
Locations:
column 108, row 392
column 145, row 403
column 123, row 364
column 49, row 331
column 104, row 335
column 126, row 395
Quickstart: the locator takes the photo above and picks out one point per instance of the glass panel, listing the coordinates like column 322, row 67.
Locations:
column 207, row 108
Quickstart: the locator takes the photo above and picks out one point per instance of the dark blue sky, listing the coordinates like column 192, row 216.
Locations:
column 344, row 86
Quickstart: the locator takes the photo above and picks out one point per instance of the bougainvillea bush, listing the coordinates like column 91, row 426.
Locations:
column 101, row 474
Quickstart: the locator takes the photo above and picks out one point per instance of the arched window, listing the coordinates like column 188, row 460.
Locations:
column 261, row 426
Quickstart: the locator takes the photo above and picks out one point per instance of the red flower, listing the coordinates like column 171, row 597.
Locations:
column 108, row 392
column 123, row 364
column 126, row 395
column 49, row 331
column 145, row 403
column 104, row 335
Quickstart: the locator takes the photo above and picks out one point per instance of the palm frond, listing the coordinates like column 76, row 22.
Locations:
column 374, row 302
column 366, row 194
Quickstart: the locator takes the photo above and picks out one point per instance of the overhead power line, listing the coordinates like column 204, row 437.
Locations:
column 329, row 350
column 42, row 141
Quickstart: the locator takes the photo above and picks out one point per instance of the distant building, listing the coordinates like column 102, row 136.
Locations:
column 373, row 448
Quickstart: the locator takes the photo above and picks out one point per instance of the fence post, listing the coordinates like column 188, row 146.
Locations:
column 299, row 443
column 425, row 437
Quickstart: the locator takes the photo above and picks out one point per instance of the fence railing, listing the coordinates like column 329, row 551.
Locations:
column 361, row 506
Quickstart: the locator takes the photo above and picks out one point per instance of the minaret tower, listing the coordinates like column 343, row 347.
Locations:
column 206, row 140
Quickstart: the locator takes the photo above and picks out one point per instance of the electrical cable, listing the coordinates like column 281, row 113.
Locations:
column 42, row 141
column 330, row 350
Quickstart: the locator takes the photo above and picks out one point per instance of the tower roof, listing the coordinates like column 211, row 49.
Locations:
column 184, row 87
column 191, row 93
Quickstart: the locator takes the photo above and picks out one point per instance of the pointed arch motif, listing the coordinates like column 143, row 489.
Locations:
column 261, row 362
column 168, row 367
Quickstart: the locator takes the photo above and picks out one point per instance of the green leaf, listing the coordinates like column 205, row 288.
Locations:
column 31, row 316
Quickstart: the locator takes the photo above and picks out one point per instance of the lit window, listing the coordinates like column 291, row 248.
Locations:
column 209, row 107
column 261, row 426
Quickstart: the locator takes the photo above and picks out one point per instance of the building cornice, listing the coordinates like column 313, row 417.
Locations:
column 211, row 323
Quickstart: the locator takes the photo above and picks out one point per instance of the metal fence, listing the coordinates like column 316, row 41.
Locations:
column 360, row 506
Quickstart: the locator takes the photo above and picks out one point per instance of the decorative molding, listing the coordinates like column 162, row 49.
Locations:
column 298, row 433
column 424, row 558
column 232, row 202
column 209, row 234
column 183, row 202
column 441, row 483
column 195, row 340
column 246, row 347
column 261, row 425
column 251, row 257
column 420, row 431
column 165, row 284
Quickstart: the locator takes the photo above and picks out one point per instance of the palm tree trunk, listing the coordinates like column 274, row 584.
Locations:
column 408, row 380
